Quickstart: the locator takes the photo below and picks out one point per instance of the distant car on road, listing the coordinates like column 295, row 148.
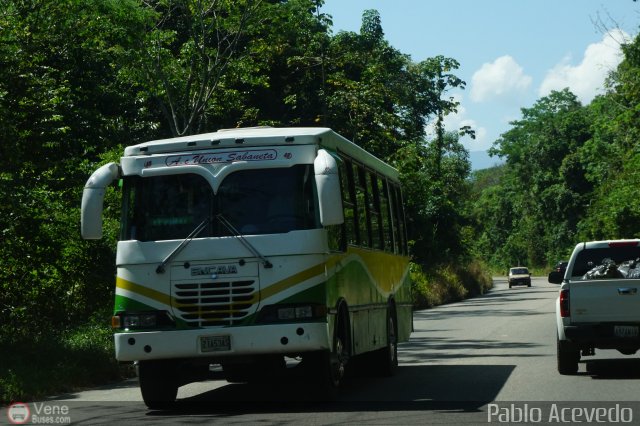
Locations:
column 558, row 271
column 519, row 275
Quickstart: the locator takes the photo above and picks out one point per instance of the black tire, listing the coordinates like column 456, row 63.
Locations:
column 339, row 355
column 386, row 359
column 568, row 357
column 158, row 383
column 328, row 367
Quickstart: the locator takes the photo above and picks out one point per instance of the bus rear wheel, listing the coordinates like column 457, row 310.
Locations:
column 158, row 383
column 387, row 357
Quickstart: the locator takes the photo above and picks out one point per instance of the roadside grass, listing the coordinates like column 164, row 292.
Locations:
column 35, row 367
column 448, row 283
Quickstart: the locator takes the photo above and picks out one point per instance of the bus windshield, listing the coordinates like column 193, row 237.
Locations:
column 256, row 201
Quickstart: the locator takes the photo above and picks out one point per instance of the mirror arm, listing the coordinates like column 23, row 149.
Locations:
column 93, row 200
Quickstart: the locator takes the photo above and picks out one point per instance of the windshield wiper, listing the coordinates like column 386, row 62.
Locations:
column 243, row 240
column 183, row 244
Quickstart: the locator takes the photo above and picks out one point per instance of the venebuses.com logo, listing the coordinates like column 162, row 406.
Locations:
column 20, row 413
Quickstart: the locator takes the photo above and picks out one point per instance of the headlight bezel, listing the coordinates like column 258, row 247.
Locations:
column 142, row 320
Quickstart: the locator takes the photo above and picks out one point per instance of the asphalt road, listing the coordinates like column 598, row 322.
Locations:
column 484, row 360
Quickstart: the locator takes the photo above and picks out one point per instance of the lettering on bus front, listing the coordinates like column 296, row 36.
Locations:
column 221, row 157
column 215, row 269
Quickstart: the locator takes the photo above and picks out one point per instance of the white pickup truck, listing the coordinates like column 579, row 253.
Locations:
column 599, row 304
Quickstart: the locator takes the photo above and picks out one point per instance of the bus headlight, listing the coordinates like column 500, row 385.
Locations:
column 141, row 320
column 297, row 312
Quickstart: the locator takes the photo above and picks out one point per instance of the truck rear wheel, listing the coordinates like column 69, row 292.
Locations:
column 568, row 356
column 158, row 383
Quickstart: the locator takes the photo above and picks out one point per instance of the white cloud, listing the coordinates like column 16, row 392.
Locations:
column 586, row 79
column 501, row 78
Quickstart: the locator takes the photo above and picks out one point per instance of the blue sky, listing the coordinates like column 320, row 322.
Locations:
column 511, row 52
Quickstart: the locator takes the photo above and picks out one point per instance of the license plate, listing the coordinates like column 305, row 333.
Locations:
column 215, row 343
column 625, row 331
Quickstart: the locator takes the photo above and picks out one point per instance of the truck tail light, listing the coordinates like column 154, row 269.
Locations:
column 564, row 304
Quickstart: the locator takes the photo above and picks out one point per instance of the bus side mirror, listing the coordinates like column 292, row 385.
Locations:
column 328, row 185
column 93, row 200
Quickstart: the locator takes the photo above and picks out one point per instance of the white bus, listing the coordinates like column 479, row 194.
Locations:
column 246, row 246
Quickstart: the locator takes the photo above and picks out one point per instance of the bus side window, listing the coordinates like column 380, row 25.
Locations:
column 385, row 214
column 364, row 225
column 395, row 222
column 349, row 203
column 402, row 228
column 374, row 211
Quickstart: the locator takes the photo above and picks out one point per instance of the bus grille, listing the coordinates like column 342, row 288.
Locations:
column 214, row 303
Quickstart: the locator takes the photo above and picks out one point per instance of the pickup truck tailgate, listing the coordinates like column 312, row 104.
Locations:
column 605, row 300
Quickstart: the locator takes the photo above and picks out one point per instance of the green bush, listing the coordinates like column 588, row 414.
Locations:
column 57, row 362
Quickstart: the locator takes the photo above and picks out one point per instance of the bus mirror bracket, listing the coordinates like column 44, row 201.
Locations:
column 328, row 185
column 93, row 200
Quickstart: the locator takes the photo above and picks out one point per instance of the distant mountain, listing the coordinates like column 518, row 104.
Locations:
column 481, row 160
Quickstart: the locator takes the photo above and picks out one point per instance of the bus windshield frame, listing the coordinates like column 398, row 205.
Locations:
column 254, row 201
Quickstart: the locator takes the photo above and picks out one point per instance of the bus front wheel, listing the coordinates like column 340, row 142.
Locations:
column 329, row 366
column 387, row 357
column 158, row 383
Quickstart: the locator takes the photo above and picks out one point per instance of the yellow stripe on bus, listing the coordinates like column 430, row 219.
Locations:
column 265, row 293
column 144, row 291
column 381, row 267
column 292, row 281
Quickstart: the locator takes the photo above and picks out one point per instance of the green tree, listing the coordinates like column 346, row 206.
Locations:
column 438, row 72
column 434, row 176
column 380, row 99
column 544, row 180
column 289, row 51
column 611, row 156
column 189, row 51
column 61, row 106
column 368, row 96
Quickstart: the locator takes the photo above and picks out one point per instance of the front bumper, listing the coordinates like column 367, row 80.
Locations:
column 251, row 340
